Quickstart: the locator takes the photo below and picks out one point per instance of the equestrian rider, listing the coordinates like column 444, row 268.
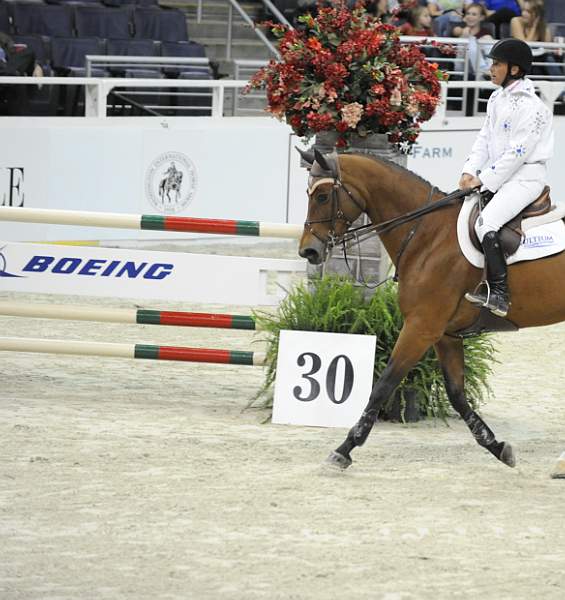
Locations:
column 509, row 159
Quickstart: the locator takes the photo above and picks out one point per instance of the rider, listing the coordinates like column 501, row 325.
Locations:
column 509, row 159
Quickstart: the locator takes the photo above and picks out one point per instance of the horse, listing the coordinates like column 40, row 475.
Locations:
column 418, row 228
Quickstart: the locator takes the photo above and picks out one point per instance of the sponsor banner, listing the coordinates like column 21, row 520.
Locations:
column 111, row 272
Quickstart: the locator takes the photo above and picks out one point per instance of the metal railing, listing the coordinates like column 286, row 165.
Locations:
column 97, row 90
column 101, row 61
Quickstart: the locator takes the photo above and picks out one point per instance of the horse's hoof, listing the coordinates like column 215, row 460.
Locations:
column 338, row 461
column 507, row 455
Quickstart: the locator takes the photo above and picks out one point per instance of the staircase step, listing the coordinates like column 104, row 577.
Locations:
column 219, row 29
column 248, row 49
column 217, row 9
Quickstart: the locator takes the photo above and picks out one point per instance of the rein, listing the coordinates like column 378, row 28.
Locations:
column 391, row 224
column 364, row 231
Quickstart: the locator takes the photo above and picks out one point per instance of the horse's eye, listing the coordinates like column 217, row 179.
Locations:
column 322, row 198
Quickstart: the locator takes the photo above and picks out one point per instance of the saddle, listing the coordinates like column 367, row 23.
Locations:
column 511, row 234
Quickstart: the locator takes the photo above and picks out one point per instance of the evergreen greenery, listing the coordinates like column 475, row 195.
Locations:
column 335, row 304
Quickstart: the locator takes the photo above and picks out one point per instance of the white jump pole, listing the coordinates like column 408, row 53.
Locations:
column 147, row 351
column 150, row 222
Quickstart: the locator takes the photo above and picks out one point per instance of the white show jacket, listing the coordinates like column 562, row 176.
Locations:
column 516, row 139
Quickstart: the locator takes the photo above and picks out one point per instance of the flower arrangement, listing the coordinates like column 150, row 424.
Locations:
column 346, row 71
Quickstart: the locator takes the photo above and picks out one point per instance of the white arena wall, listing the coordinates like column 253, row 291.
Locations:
column 233, row 168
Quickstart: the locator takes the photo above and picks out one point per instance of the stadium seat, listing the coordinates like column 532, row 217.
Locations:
column 134, row 48
column 168, row 25
column 42, row 19
column 68, row 55
column 102, row 22
column 185, row 50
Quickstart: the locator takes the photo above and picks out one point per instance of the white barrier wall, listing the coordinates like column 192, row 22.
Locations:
column 232, row 168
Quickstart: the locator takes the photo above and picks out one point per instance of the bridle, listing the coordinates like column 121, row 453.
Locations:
column 337, row 214
column 379, row 228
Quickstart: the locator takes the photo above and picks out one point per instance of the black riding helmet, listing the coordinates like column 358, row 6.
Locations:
column 513, row 52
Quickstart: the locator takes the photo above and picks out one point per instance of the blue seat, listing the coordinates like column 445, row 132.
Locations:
column 68, row 58
column 42, row 19
column 68, row 55
column 167, row 25
column 102, row 22
column 186, row 50
column 134, row 47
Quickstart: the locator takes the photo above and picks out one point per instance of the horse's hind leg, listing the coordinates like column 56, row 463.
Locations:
column 412, row 343
column 451, row 356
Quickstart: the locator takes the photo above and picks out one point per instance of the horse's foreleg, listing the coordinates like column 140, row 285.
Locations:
column 451, row 357
column 412, row 343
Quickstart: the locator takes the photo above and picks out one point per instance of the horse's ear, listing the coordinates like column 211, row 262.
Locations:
column 320, row 159
column 307, row 157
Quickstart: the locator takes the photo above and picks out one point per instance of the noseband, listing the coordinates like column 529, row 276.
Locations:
column 337, row 214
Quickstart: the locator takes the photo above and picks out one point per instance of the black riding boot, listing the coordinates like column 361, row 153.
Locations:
column 494, row 293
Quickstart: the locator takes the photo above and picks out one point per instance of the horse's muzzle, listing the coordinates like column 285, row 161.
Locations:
column 312, row 255
column 312, row 248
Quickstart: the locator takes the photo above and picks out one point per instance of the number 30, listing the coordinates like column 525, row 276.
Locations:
column 348, row 378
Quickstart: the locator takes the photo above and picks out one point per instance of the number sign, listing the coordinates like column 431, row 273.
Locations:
column 323, row 379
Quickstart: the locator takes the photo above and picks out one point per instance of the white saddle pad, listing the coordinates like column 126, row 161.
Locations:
column 542, row 238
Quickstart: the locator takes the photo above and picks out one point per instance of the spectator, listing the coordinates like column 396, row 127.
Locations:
column 419, row 23
column 16, row 60
column 473, row 23
column 531, row 27
column 474, row 29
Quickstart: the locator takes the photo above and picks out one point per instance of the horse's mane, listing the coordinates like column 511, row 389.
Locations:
column 395, row 166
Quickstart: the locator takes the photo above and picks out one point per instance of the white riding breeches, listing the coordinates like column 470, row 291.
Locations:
column 511, row 199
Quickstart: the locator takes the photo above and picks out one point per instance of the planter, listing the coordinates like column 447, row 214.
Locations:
column 368, row 261
column 393, row 411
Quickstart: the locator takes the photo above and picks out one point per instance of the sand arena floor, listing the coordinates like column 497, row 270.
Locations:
column 149, row 480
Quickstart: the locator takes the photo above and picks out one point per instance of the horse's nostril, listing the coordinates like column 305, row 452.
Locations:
column 310, row 254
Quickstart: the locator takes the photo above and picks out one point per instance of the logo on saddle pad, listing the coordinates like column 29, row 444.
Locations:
column 170, row 182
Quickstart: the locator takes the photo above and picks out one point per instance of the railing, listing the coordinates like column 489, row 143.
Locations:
column 97, row 90
column 103, row 61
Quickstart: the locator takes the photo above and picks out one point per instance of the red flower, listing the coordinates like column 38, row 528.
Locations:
column 348, row 58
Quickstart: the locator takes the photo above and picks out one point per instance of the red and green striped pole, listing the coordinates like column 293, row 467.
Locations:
column 143, row 316
column 144, row 351
column 150, row 222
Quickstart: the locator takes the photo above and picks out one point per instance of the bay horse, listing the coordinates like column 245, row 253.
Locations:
column 433, row 277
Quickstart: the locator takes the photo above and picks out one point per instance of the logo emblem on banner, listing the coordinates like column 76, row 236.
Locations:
column 4, row 266
column 170, row 182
